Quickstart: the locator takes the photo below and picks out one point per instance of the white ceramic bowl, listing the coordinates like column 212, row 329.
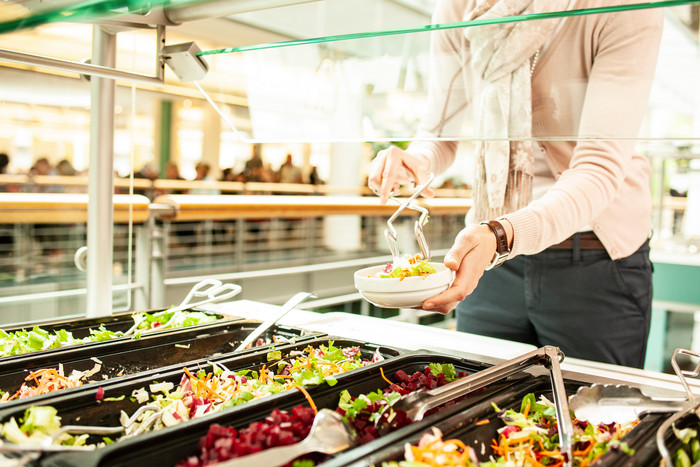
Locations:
column 396, row 293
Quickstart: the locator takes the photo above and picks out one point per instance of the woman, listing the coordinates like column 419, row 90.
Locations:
column 567, row 219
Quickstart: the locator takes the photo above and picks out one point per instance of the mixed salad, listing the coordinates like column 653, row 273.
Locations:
column 47, row 380
column 33, row 340
column 529, row 438
column 368, row 415
column 198, row 393
column 432, row 450
column 403, row 267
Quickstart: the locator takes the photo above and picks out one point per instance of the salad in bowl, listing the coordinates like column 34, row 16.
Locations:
column 405, row 283
column 407, row 267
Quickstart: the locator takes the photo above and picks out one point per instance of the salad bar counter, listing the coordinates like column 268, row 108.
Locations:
column 303, row 396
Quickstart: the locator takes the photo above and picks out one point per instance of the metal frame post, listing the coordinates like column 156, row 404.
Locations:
column 159, row 236
column 142, row 294
column 100, row 234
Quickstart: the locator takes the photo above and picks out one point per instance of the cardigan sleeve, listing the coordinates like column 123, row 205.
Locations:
column 621, row 73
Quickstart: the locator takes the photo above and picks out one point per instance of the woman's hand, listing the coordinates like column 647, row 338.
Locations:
column 469, row 256
column 394, row 167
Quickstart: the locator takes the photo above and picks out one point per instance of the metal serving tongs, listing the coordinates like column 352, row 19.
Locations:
column 214, row 291
column 605, row 403
column 390, row 231
column 47, row 445
column 418, row 403
column 265, row 325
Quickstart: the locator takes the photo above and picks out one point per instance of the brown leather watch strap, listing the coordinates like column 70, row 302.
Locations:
column 501, row 237
column 502, row 250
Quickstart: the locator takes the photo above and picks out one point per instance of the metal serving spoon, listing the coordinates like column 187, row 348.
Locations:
column 328, row 435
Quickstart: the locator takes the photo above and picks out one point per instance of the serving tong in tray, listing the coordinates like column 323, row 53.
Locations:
column 390, row 232
column 605, row 403
column 212, row 289
column 416, row 405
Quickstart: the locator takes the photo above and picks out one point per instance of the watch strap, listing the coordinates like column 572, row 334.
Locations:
column 502, row 249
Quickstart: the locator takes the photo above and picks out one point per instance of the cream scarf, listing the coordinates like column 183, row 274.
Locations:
column 501, row 56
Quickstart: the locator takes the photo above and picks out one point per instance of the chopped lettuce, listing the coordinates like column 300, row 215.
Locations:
column 410, row 267
column 36, row 339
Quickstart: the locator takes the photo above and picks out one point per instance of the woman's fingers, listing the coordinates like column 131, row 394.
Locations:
column 376, row 170
column 394, row 167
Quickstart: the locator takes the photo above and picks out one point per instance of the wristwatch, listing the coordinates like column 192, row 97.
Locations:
column 502, row 250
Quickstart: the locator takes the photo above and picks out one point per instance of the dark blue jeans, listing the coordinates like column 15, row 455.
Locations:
column 581, row 301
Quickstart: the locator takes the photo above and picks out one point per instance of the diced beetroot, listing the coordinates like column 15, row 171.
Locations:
column 401, row 375
column 510, row 429
column 303, row 414
column 100, row 394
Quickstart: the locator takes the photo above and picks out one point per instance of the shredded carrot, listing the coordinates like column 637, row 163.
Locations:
column 534, row 461
column 308, row 397
column 187, row 372
column 381, row 370
column 210, row 390
column 456, row 442
column 485, row 421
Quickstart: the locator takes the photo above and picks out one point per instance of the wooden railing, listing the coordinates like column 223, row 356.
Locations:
column 228, row 207
column 66, row 208
column 28, row 183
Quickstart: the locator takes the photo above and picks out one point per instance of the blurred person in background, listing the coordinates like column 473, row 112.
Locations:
column 65, row 169
column 556, row 247
column 6, row 233
column 172, row 172
column 314, row 177
column 4, row 164
column 147, row 172
column 288, row 172
column 42, row 168
column 203, row 175
column 255, row 162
